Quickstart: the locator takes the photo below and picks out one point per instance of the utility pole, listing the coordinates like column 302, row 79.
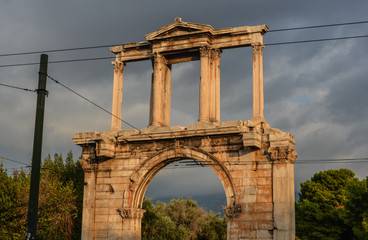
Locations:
column 37, row 149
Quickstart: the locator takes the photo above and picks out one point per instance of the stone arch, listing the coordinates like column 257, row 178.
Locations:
column 141, row 178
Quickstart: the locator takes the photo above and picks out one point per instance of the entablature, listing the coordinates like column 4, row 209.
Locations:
column 250, row 136
column 184, row 36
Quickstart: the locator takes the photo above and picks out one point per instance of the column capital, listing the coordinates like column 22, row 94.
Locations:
column 257, row 47
column 232, row 211
column 130, row 212
column 158, row 58
column 204, row 51
column 118, row 65
column 216, row 52
column 283, row 154
column 88, row 164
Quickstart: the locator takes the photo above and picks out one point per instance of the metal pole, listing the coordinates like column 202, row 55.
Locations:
column 37, row 149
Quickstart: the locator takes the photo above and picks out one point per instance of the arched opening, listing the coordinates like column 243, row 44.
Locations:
column 181, row 196
column 142, row 177
column 188, row 178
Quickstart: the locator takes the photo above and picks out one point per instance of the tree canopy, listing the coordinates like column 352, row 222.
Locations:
column 331, row 206
column 181, row 220
column 60, row 200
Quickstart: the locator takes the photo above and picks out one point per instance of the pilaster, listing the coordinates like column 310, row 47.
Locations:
column 89, row 193
column 283, row 159
column 132, row 219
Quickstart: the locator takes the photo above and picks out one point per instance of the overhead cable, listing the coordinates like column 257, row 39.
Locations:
column 316, row 40
column 19, row 88
column 111, row 45
column 12, row 160
column 316, row 26
column 56, row 50
column 95, row 104
column 266, row 44
column 58, row 61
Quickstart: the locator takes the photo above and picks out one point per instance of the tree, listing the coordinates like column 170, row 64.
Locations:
column 212, row 226
column 156, row 225
column 355, row 213
column 321, row 205
column 12, row 213
column 69, row 171
column 60, row 200
column 181, row 219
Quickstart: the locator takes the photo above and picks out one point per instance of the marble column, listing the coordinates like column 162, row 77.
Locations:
column 204, row 87
column 215, row 86
column 161, row 92
column 117, row 94
column 258, row 83
column 167, row 95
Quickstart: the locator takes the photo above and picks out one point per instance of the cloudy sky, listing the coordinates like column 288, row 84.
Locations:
column 316, row 91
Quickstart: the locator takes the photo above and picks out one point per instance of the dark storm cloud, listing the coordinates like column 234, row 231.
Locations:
column 316, row 91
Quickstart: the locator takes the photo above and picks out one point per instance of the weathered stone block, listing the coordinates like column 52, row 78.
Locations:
column 264, row 234
column 101, row 218
column 264, row 198
column 101, row 234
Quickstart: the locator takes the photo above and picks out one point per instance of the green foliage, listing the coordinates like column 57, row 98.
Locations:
column 69, row 172
column 156, row 225
column 331, row 206
column 355, row 213
column 60, row 200
column 180, row 220
column 11, row 214
column 213, row 226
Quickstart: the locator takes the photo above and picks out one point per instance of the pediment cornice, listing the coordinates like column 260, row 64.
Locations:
column 179, row 28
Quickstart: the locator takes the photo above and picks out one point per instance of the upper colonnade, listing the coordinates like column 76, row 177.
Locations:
column 182, row 42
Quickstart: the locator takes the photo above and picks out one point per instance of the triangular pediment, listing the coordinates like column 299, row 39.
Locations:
column 178, row 28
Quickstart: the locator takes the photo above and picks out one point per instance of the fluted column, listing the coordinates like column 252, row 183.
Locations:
column 117, row 94
column 258, row 104
column 204, row 87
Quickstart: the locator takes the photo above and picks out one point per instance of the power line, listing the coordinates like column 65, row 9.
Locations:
column 95, row 104
column 59, row 61
column 15, row 87
column 266, row 44
column 316, row 26
column 111, row 45
column 316, row 40
column 57, row 50
column 12, row 160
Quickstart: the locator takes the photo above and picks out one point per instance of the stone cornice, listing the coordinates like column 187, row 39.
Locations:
column 275, row 141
